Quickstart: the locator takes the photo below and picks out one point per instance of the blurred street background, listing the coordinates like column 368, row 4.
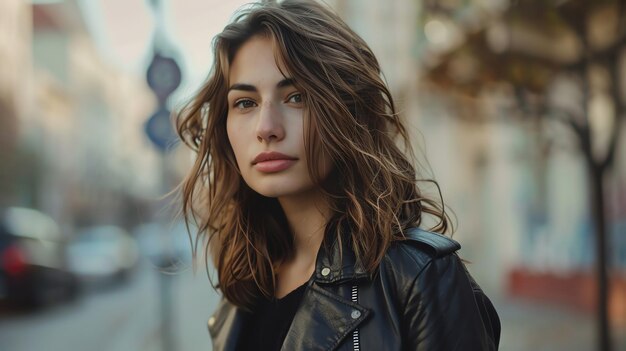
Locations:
column 517, row 109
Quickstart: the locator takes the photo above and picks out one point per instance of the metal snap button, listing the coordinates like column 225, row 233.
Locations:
column 211, row 321
column 355, row 314
column 325, row 271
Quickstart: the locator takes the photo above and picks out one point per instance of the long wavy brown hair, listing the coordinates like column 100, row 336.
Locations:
column 350, row 117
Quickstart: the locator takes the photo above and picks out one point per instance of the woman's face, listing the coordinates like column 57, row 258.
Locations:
column 265, row 124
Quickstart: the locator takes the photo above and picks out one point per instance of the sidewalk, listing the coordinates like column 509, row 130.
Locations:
column 542, row 327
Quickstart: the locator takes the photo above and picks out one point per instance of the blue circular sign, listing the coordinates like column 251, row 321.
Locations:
column 160, row 130
column 163, row 76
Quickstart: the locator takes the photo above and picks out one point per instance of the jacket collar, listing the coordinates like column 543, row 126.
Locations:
column 336, row 262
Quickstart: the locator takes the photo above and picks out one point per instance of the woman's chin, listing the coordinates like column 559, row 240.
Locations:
column 282, row 190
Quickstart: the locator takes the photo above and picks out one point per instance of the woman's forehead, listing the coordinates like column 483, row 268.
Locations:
column 257, row 60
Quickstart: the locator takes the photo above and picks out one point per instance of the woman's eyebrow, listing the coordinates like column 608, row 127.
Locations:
column 249, row 87
column 286, row 83
column 241, row 86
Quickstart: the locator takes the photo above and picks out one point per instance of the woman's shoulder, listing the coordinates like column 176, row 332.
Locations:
column 408, row 257
column 433, row 243
column 421, row 246
column 431, row 281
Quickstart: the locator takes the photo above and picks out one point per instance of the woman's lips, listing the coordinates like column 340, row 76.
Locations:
column 272, row 166
column 272, row 161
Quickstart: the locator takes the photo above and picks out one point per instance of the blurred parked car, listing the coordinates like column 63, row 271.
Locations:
column 33, row 269
column 102, row 254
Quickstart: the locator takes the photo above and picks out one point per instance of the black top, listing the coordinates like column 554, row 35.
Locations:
column 268, row 325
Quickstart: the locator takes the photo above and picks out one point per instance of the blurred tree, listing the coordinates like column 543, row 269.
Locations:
column 533, row 45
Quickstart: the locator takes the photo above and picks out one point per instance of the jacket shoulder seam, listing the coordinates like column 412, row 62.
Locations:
column 439, row 245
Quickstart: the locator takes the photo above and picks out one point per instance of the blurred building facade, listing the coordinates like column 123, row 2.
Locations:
column 75, row 123
column 527, row 182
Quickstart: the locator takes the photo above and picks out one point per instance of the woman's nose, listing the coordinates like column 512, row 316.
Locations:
column 270, row 126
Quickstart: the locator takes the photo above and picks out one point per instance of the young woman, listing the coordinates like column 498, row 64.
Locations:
column 310, row 211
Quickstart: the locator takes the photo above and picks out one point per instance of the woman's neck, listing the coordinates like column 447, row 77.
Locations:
column 307, row 215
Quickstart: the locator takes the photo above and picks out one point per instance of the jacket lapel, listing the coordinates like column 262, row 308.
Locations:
column 322, row 321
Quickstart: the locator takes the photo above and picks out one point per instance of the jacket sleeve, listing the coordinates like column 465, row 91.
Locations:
column 446, row 310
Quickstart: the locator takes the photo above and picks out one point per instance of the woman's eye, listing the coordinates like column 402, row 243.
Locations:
column 295, row 98
column 244, row 103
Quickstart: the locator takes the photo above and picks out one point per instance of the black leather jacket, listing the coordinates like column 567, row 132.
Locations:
column 421, row 298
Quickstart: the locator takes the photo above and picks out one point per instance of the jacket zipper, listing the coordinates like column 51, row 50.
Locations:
column 355, row 333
